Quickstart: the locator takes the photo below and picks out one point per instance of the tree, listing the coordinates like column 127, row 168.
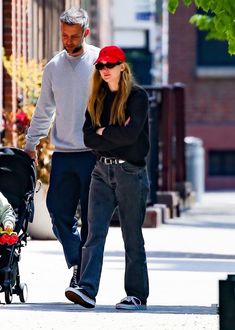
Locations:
column 27, row 74
column 218, row 19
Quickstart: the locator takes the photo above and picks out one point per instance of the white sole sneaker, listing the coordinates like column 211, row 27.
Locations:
column 78, row 297
column 131, row 307
column 131, row 303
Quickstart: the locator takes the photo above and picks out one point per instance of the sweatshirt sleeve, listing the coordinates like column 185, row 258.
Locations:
column 92, row 139
column 43, row 114
column 6, row 211
column 137, row 108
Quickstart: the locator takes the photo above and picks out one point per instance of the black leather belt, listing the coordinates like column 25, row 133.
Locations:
column 111, row 161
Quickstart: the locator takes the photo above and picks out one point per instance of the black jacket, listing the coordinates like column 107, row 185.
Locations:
column 131, row 142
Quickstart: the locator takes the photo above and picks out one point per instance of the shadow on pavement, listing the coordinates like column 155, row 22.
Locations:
column 199, row 224
column 152, row 309
column 172, row 255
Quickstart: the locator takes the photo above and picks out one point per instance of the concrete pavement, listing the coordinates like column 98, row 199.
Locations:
column 186, row 259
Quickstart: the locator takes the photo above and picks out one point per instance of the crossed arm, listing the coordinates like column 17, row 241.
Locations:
column 115, row 136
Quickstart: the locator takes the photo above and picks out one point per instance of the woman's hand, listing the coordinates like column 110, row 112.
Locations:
column 127, row 121
column 100, row 130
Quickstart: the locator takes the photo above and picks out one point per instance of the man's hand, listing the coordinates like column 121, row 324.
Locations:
column 32, row 154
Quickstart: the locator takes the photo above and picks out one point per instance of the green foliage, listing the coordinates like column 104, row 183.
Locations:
column 220, row 24
column 188, row 2
column 26, row 73
column 172, row 5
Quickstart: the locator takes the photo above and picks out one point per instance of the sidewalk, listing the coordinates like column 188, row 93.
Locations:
column 186, row 259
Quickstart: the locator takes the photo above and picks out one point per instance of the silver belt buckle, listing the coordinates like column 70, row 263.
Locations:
column 110, row 161
column 107, row 161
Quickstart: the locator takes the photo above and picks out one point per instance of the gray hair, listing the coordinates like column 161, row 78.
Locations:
column 74, row 15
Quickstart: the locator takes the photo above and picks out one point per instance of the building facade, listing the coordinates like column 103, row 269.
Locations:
column 209, row 75
column 164, row 48
column 30, row 28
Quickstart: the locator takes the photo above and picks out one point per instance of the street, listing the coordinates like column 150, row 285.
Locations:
column 186, row 259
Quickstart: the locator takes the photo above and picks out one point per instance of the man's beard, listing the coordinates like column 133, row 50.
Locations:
column 77, row 49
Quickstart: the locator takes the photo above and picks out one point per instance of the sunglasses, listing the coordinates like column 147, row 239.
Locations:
column 108, row 65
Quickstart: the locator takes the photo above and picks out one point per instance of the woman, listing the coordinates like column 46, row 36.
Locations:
column 116, row 128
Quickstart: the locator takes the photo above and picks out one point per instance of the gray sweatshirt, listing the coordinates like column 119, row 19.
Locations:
column 7, row 215
column 63, row 101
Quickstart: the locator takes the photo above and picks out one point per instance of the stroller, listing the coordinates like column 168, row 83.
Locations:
column 17, row 183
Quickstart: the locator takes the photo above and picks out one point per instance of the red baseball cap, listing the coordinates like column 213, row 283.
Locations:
column 111, row 54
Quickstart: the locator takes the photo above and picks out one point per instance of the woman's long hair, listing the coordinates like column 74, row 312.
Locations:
column 98, row 93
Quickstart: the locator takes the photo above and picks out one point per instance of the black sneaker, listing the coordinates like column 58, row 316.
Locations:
column 79, row 296
column 131, row 303
column 74, row 279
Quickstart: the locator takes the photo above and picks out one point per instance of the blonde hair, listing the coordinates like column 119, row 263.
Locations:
column 98, row 93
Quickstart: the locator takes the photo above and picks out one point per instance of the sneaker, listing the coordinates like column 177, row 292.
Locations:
column 131, row 303
column 79, row 296
column 74, row 279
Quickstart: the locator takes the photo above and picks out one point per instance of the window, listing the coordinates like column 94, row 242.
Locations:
column 222, row 163
column 213, row 59
column 213, row 52
column 140, row 61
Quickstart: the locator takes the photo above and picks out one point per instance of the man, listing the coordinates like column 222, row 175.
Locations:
column 63, row 101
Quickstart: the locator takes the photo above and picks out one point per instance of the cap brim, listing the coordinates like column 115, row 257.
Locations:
column 106, row 59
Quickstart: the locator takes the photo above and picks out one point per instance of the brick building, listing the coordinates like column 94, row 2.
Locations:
column 209, row 75
column 30, row 28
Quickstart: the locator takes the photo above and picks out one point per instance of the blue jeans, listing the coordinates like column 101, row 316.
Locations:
column 69, row 184
column 126, row 186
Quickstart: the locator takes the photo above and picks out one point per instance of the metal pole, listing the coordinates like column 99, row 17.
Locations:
column 168, row 182
column 1, row 73
column 227, row 303
column 154, row 95
column 179, row 104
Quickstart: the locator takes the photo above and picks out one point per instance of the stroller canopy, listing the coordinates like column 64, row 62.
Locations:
column 17, row 175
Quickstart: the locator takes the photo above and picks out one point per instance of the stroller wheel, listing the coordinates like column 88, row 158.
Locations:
column 23, row 292
column 8, row 296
